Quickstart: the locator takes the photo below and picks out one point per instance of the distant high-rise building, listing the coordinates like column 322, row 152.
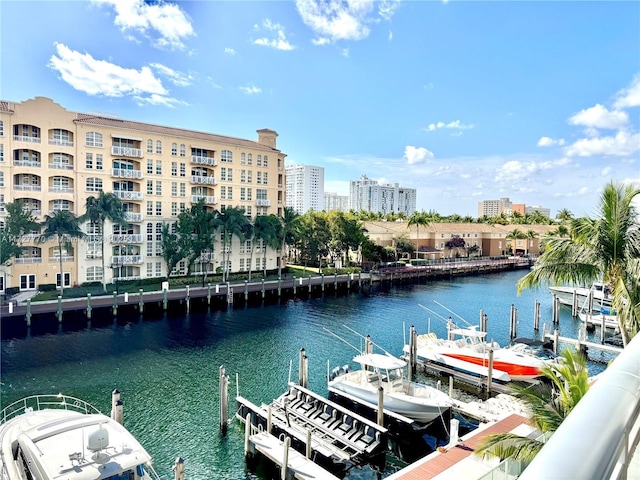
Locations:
column 537, row 208
column 305, row 188
column 333, row 201
column 367, row 195
column 493, row 208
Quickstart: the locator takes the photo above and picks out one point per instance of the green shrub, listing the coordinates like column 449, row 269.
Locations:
column 10, row 291
column 47, row 287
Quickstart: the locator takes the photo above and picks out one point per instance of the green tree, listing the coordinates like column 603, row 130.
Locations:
column 605, row 248
column 530, row 235
column 106, row 206
column 19, row 223
column 63, row 226
column 266, row 228
column 515, row 234
column 550, row 403
column 419, row 219
column 171, row 251
column 564, row 215
column 232, row 223
column 289, row 220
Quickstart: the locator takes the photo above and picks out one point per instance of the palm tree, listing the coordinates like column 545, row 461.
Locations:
column 530, row 234
column 106, row 206
column 288, row 220
column 232, row 222
column 418, row 219
column 265, row 228
column 550, row 403
column 564, row 215
column 513, row 235
column 606, row 248
column 64, row 226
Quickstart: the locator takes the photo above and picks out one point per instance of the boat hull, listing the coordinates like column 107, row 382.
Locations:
column 565, row 297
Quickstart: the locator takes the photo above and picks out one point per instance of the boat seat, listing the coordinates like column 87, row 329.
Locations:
column 326, row 412
column 307, row 405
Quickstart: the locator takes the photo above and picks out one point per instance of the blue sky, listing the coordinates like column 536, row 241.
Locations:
column 464, row 101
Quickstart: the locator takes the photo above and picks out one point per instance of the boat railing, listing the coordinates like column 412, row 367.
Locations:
column 41, row 402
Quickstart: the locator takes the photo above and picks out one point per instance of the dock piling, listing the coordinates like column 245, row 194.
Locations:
column 28, row 315
column 117, row 408
column 308, row 444
column 89, row 306
column 263, row 288
column 556, row 335
column 209, row 294
column 574, row 304
column 490, row 372
column 536, row 315
column 10, row 307
column 284, row 471
column 178, row 469
column 303, row 375
column 246, row 290
column 59, row 313
column 164, row 299
column 188, row 298
column 224, row 399
column 141, row 301
column 247, row 433
column 380, row 416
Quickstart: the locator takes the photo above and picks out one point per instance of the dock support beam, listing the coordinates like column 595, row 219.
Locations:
column 115, row 303
column 164, row 300
column 117, row 408
column 178, row 469
column 188, row 299
column 536, row 315
column 28, row 315
column 263, row 288
column 224, row 401
column 246, row 290
column 59, row 313
column 490, row 373
column 209, row 294
column 380, row 416
column 141, row 301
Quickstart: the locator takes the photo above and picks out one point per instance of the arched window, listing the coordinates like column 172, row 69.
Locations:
column 1, row 179
column 158, row 147
column 93, row 139
column 249, row 159
column 183, row 150
column 149, row 146
column 243, row 158
column 174, row 149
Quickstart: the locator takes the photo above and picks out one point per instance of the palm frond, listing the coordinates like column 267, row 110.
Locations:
column 509, row 445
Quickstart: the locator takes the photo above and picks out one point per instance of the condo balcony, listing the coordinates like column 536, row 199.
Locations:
column 27, row 138
column 133, row 217
column 60, row 142
column 27, row 260
column 126, row 259
column 27, row 163
column 263, row 202
column 128, row 195
column 61, row 189
column 61, row 165
column 126, row 238
column 28, row 188
column 209, row 200
column 200, row 160
column 201, row 179
column 125, row 173
column 127, row 152
column 65, row 258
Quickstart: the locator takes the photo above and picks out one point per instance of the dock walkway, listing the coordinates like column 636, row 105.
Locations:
column 298, row 466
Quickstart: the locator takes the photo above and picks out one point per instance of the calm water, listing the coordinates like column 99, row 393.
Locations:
column 167, row 367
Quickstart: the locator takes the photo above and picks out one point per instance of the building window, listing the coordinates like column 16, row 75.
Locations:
column 264, row 178
column 149, row 187
column 230, row 174
column 2, row 135
column 159, row 209
column 247, row 211
column 230, row 193
column 258, row 178
column 98, row 161
column 259, row 161
column 149, row 269
column 150, row 167
column 159, row 268
column 94, row 274
column 249, row 194
column 94, row 184
column 158, row 187
column 249, row 176
column 223, row 174
column 158, row 147
column 243, row 158
column 183, row 150
column 243, row 194
column 265, row 161
column 243, row 176
column 174, row 209
column 249, row 159
column 183, row 207
column 183, row 169
column 149, row 208
column 158, row 167
column 226, row 156
column 174, row 169
column 223, row 193
column 93, row 139
column 149, row 146
column 89, row 160
column 174, row 189
column 1, row 179
column 183, row 189
column 174, row 149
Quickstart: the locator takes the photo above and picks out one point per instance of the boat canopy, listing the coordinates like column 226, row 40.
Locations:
column 469, row 332
column 379, row 361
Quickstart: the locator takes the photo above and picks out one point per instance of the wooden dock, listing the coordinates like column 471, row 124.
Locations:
column 298, row 466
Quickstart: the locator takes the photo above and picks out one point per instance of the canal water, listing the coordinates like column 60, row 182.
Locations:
column 167, row 367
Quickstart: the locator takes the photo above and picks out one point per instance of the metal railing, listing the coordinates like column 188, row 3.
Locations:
column 133, row 217
column 125, row 173
column 126, row 259
column 27, row 163
column 201, row 179
column 127, row 152
column 126, row 238
column 128, row 195
column 41, row 402
column 601, row 434
column 64, row 259
column 28, row 260
column 200, row 160
column 26, row 138
column 28, row 188
column 61, row 142
column 61, row 166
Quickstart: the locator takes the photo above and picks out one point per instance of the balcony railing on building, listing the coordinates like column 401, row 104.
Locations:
column 26, row 138
column 126, row 259
column 126, row 152
column 133, row 217
column 209, row 200
column 126, row 238
column 28, row 188
column 61, row 166
column 65, row 258
column 60, row 141
column 263, row 202
column 200, row 160
column 92, row 255
column 128, row 195
column 125, row 173
column 130, row 277
column 28, row 260
column 201, row 179
column 27, row 163
column 61, row 189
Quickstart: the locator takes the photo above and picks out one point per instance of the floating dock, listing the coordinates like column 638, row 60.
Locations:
column 317, row 425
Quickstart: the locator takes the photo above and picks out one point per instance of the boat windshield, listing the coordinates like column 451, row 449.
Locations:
column 127, row 474
column 395, row 374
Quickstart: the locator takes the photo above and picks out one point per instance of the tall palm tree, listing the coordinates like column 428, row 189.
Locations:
column 106, row 206
column 232, row 222
column 564, row 215
column 288, row 221
column 550, row 403
column 266, row 228
column 418, row 219
column 530, row 234
column 63, row 226
column 606, row 248
column 514, row 235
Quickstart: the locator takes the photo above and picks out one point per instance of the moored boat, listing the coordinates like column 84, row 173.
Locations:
column 604, row 316
column 418, row 402
column 598, row 295
column 47, row 437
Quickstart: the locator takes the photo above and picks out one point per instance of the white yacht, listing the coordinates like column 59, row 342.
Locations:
column 599, row 293
column 416, row 401
column 51, row 437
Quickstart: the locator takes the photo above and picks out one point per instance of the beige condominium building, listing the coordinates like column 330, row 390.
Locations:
column 54, row 159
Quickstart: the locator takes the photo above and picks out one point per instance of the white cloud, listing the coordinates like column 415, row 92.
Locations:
column 345, row 52
column 606, row 171
column 98, row 77
column 599, row 116
column 456, row 124
column 250, row 89
column 334, row 20
column 390, row 36
column 229, row 51
column 416, row 155
column 622, row 144
column 165, row 24
column 549, row 142
column 630, row 96
column 279, row 42
column 177, row 78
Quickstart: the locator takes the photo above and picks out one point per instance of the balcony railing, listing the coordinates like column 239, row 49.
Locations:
column 26, row 138
column 61, row 142
column 207, row 199
column 61, row 166
column 201, row 179
column 128, row 195
column 126, row 238
column 61, row 189
column 133, row 217
column 126, row 259
column 92, row 255
column 27, row 163
column 65, row 258
column 125, row 173
column 124, row 279
column 56, row 210
column 28, row 188
column 28, row 260
column 36, row 212
column 263, row 202
column 200, row 160
column 127, row 152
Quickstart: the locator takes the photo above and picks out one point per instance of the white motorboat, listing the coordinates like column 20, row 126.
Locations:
column 468, row 352
column 416, row 401
column 604, row 315
column 47, row 437
column 598, row 293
